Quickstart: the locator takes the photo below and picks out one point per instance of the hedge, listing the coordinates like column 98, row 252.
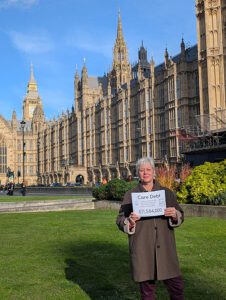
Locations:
column 205, row 185
column 114, row 190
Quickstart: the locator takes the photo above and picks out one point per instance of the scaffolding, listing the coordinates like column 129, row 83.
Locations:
column 208, row 131
column 212, row 122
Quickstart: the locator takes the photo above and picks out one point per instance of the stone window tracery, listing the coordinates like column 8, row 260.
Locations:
column 3, row 156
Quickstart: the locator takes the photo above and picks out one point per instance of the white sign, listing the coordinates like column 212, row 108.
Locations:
column 149, row 204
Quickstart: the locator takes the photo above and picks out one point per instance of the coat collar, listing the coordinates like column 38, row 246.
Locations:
column 156, row 186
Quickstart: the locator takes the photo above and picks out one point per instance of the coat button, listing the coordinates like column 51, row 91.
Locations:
column 158, row 246
column 156, row 227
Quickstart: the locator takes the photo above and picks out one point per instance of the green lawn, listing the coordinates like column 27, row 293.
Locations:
column 82, row 255
column 35, row 198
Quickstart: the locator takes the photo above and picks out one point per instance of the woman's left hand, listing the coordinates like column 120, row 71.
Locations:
column 171, row 212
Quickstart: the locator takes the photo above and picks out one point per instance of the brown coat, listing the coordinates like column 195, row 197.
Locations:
column 152, row 247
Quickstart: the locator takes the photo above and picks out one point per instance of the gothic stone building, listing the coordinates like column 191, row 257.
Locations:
column 133, row 111
column 13, row 136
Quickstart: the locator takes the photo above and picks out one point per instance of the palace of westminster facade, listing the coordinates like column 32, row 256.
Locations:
column 131, row 112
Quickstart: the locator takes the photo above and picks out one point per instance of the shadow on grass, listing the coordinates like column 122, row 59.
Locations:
column 102, row 271
column 202, row 286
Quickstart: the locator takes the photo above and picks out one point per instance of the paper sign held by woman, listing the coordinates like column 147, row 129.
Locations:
column 149, row 204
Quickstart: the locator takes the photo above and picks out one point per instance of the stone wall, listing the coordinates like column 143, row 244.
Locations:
column 190, row 210
column 77, row 190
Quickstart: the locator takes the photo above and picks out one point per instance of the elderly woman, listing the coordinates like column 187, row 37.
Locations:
column 151, row 239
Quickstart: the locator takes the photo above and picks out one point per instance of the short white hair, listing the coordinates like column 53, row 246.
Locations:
column 144, row 160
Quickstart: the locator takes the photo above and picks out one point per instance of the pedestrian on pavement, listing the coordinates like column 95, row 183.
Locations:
column 23, row 189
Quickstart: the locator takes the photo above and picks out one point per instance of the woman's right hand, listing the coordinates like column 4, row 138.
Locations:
column 133, row 218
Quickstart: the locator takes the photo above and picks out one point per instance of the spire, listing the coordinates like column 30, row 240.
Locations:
column 76, row 75
column 120, row 49
column 14, row 120
column 84, row 73
column 32, row 84
column 119, row 29
column 76, row 71
column 32, row 78
column 142, row 54
column 121, row 67
column 166, row 57
column 166, row 53
column 182, row 47
column 14, row 115
column 84, row 69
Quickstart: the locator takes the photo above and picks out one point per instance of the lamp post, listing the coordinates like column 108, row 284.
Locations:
column 38, row 158
column 22, row 123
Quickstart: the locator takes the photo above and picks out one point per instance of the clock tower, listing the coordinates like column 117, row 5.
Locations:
column 31, row 99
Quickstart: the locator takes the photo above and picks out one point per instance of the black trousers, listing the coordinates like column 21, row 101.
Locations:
column 175, row 287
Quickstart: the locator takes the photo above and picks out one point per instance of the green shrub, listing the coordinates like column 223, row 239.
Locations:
column 95, row 192
column 117, row 189
column 220, row 199
column 206, row 182
column 101, row 192
column 132, row 184
column 113, row 190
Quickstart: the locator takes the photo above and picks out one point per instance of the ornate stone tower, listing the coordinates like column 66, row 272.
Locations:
column 211, row 29
column 38, row 119
column 121, row 70
column 76, row 89
column 32, row 98
column 141, row 70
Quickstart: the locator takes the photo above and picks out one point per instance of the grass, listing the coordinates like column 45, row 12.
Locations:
column 82, row 255
column 35, row 198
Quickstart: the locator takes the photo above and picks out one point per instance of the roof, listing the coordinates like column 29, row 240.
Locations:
column 94, row 82
column 191, row 54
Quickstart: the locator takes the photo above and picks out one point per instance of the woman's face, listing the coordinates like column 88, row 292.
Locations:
column 146, row 173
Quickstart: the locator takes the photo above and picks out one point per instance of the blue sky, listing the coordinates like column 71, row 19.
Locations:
column 56, row 35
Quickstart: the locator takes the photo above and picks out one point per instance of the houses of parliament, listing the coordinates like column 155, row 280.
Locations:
column 132, row 111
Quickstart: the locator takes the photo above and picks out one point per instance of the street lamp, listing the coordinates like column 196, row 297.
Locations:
column 22, row 123
column 38, row 167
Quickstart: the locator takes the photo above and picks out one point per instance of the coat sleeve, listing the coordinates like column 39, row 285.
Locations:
column 180, row 220
column 124, row 212
column 172, row 202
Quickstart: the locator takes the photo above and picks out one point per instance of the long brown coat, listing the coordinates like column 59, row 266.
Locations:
column 152, row 247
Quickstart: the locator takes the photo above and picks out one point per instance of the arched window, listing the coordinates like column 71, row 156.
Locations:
column 122, row 55
column 18, row 145
column 3, row 156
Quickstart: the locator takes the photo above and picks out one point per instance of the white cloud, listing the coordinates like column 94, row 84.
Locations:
column 17, row 3
column 89, row 43
column 55, row 101
column 30, row 43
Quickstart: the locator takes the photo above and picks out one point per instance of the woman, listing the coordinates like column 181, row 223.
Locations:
column 151, row 240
